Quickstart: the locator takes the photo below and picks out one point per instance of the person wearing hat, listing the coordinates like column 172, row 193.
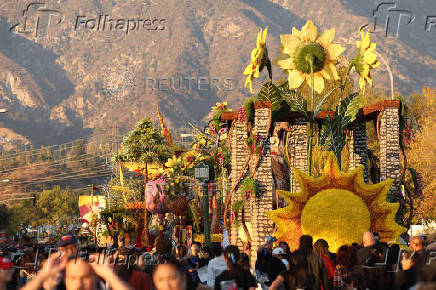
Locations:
column 68, row 246
column 5, row 273
column 280, row 253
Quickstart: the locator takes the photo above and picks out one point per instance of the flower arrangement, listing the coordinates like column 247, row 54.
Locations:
column 254, row 144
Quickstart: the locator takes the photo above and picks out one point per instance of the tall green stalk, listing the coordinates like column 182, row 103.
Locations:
column 312, row 117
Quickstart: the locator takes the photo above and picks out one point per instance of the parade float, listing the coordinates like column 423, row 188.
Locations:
column 263, row 177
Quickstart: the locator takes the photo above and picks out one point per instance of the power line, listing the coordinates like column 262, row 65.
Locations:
column 81, row 176
column 55, row 162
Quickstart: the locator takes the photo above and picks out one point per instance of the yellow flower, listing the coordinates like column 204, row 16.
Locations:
column 303, row 49
column 173, row 162
column 220, row 106
column 258, row 58
column 364, row 60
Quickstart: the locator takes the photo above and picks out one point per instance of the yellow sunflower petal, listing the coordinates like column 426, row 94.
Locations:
column 295, row 79
column 370, row 57
column 264, row 35
column 362, row 83
column 247, row 69
column 309, row 31
column 327, row 37
column 259, row 37
column 335, row 50
column 329, row 72
column 365, row 41
column 297, row 33
column 290, row 43
column 284, row 61
column 372, row 46
column 318, row 82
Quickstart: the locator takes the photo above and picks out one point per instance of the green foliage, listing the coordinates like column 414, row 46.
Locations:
column 294, row 100
column 238, row 205
column 249, row 109
column 249, row 185
column 269, row 92
column 144, row 144
column 53, row 206
column 334, row 128
column 5, row 214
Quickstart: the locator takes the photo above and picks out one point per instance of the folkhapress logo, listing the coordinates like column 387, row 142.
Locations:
column 391, row 18
column 37, row 19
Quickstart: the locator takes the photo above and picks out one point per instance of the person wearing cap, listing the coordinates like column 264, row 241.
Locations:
column 5, row 273
column 68, row 246
column 275, row 264
column 280, row 253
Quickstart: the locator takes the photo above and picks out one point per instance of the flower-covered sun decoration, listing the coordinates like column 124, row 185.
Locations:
column 258, row 59
column 364, row 60
column 338, row 207
column 304, row 49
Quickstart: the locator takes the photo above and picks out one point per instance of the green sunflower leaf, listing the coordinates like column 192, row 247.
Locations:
column 296, row 101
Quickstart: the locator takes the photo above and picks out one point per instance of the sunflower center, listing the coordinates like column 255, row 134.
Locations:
column 311, row 52
column 336, row 215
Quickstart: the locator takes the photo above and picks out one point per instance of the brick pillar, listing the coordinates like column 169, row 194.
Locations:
column 263, row 202
column 238, row 158
column 390, row 161
column 358, row 151
column 298, row 150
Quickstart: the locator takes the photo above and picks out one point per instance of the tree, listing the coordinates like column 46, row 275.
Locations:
column 422, row 155
column 5, row 214
column 145, row 145
column 53, row 206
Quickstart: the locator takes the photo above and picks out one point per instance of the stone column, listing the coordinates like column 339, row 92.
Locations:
column 263, row 202
column 297, row 150
column 238, row 158
column 390, row 160
column 358, row 151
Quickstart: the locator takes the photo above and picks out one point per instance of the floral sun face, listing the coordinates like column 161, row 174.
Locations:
column 304, row 49
column 257, row 58
column 338, row 207
column 365, row 59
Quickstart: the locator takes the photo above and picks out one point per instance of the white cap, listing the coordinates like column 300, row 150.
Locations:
column 278, row 251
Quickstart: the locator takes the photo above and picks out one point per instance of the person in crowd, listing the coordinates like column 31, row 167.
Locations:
column 297, row 276
column 79, row 275
column 235, row 276
column 5, row 273
column 278, row 263
column 365, row 252
column 346, row 261
column 128, row 272
column 321, row 248
column 68, row 246
column 264, row 255
column 207, row 253
column 172, row 275
column 315, row 263
column 181, row 252
column 194, row 261
column 217, row 265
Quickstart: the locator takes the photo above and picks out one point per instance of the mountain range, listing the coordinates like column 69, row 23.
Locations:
column 70, row 69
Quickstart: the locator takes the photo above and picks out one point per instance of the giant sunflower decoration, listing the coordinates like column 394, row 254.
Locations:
column 258, row 59
column 364, row 60
column 304, row 49
column 338, row 207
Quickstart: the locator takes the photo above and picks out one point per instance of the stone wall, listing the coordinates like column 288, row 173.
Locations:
column 390, row 160
column 238, row 159
column 298, row 150
column 358, row 150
